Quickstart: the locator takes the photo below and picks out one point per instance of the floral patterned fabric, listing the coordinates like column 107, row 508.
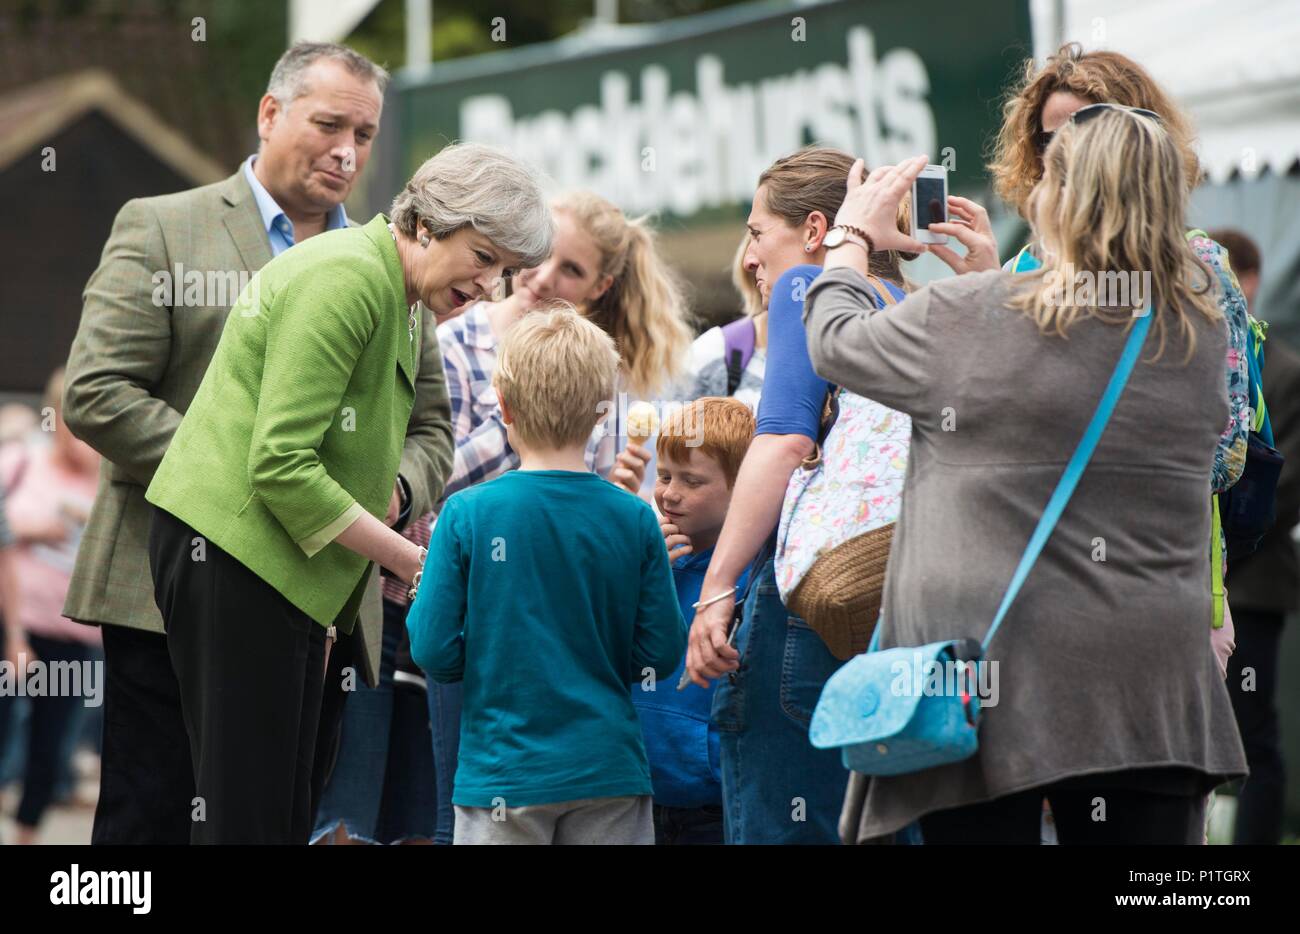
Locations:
column 1230, row 455
column 855, row 488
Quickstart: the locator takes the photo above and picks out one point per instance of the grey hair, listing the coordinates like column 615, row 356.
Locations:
column 469, row 184
column 287, row 77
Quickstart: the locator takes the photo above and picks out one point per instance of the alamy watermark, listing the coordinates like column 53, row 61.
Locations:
column 179, row 287
column 923, row 676
column 1066, row 288
column 688, row 420
column 34, row 677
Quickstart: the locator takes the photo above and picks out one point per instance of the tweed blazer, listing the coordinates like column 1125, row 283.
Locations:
column 137, row 360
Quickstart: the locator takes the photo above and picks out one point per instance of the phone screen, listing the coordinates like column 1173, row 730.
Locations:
column 931, row 207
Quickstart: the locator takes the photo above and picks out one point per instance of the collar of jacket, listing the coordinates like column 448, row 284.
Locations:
column 244, row 222
column 377, row 232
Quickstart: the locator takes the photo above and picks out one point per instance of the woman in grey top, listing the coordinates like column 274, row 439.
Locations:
column 1109, row 702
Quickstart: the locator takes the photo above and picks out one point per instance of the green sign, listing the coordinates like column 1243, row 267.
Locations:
column 682, row 117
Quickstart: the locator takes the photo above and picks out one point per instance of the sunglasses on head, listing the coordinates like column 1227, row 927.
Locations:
column 1084, row 114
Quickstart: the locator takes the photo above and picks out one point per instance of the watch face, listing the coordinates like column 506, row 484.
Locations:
column 835, row 237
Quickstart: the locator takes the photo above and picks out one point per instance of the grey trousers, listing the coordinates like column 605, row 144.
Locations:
column 613, row 821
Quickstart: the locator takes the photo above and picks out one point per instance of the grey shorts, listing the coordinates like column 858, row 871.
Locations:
column 617, row 821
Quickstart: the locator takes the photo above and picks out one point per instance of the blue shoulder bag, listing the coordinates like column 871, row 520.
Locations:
column 880, row 707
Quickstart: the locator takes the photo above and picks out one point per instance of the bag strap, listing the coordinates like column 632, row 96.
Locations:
column 887, row 296
column 1074, row 470
column 1261, row 424
column 1069, row 480
column 830, row 407
column 738, row 340
column 1024, row 261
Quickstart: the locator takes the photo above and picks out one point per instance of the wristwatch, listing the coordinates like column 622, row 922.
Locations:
column 841, row 234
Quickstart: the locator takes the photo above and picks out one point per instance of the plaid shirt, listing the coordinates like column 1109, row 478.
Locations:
column 469, row 355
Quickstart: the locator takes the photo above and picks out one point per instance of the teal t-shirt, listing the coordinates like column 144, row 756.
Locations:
column 548, row 593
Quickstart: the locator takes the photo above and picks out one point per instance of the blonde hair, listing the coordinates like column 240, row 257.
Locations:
column 1097, row 77
column 751, row 299
column 718, row 427
column 816, row 179
column 1112, row 198
column 643, row 309
column 556, row 373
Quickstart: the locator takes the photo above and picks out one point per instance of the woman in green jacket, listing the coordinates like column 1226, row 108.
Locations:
column 270, row 499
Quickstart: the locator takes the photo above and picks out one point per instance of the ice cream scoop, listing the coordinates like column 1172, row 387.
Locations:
column 642, row 422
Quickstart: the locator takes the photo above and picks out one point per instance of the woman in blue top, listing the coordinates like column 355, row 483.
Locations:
column 776, row 787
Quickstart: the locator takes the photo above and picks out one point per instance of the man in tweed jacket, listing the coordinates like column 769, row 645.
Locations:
column 153, row 315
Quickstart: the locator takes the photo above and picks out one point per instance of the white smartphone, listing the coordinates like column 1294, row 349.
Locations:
column 930, row 203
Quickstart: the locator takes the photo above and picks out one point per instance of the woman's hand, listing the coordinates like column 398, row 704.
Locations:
column 1223, row 640
column 708, row 655
column 410, row 561
column 678, row 545
column 872, row 203
column 629, row 468
column 971, row 228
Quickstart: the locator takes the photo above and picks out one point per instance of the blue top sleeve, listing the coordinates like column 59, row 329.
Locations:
column 793, row 395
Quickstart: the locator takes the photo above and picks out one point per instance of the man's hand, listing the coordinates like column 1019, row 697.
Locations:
column 707, row 653
column 970, row 226
column 678, row 545
column 394, row 505
column 629, row 468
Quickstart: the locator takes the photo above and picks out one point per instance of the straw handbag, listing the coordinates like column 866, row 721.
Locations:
column 837, row 519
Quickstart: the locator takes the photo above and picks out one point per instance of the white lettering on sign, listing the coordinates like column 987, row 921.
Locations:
column 712, row 144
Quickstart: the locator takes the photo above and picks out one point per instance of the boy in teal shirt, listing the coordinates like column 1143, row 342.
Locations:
column 547, row 590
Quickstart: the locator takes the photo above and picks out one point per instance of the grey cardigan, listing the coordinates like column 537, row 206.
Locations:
column 1103, row 665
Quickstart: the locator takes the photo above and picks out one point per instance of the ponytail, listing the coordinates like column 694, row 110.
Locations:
column 643, row 309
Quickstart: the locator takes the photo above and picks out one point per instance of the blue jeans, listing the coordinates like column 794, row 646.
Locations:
column 52, row 722
column 776, row 787
column 444, row 723
column 688, row 826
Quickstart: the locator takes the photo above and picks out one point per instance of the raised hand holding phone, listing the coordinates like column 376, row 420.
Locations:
column 968, row 225
column 930, row 203
column 872, row 205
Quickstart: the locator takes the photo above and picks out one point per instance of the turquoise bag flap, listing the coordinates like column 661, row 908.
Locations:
column 875, row 696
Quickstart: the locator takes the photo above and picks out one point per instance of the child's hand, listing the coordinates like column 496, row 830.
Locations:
column 629, row 468
column 678, row 545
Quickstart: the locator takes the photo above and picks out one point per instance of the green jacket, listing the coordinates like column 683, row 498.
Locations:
column 299, row 421
column 136, row 363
